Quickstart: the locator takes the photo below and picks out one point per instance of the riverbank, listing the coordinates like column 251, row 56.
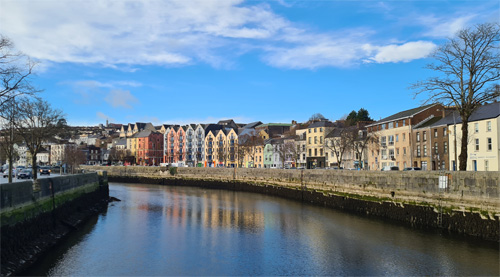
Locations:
column 471, row 215
column 35, row 217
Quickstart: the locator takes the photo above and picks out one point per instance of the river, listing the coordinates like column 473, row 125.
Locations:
column 165, row 230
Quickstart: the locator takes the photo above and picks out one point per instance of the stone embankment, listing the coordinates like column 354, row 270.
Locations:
column 35, row 216
column 468, row 204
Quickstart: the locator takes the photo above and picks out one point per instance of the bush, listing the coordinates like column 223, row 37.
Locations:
column 173, row 170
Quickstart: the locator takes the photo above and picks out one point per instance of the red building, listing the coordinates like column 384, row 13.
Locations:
column 149, row 147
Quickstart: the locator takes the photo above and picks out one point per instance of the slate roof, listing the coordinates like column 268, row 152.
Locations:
column 481, row 113
column 403, row 114
column 213, row 127
column 322, row 123
column 252, row 125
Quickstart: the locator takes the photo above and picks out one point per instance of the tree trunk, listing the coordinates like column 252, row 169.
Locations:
column 463, row 148
column 11, row 165
column 34, row 167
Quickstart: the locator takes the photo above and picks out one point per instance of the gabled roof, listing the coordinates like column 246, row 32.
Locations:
column 403, row 114
column 252, row 125
column 213, row 127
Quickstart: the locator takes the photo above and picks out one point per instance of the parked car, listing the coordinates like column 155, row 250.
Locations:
column 5, row 173
column 45, row 170
column 390, row 168
column 411, row 168
column 25, row 173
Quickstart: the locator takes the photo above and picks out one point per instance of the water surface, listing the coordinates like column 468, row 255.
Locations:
column 164, row 230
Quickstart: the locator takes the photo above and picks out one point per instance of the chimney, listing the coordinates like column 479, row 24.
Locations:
column 444, row 112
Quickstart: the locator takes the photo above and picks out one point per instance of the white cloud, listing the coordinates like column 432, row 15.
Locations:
column 126, row 34
column 402, row 53
column 121, row 98
column 445, row 27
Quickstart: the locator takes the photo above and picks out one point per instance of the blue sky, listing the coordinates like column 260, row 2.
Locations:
column 202, row 61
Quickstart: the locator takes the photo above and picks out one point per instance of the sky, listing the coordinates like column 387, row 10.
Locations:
column 187, row 61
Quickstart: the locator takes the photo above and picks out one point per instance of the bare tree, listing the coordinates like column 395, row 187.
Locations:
column 250, row 143
column 37, row 123
column 73, row 157
column 240, row 154
column 469, row 67
column 8, row 135
column 284, row 148
column 15, row 72
column 339, row 143
column 316, row 117
column 360, row 139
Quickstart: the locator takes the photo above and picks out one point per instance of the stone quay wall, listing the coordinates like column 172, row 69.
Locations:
column 36, row 215
column 466, row 191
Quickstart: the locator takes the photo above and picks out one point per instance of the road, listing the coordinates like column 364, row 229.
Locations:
column 15, row 180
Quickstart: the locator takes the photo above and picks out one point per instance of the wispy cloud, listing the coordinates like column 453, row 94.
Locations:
column 103, row 116
column 127, row 34
column 118, row 98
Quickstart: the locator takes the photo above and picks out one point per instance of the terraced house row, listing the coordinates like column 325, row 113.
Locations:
column 426, row 137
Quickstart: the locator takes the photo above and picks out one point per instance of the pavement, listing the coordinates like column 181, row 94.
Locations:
column 15, row 180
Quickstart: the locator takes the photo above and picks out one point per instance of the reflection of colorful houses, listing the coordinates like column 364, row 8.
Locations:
column 149, row 147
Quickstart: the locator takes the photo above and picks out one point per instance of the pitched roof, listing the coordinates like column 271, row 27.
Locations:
column 403, row 114
column 481, row 113
column 252, row 125
column 322, row 123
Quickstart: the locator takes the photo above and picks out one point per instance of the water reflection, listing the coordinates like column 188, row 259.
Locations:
column 160, row 230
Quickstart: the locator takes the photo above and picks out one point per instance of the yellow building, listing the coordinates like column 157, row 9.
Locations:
column 315, row 143
column 483, row 150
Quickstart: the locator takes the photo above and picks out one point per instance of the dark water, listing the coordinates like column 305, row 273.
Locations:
column 158, row 230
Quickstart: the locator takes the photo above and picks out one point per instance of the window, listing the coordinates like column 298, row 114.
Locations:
column 303, row 147
column 418, row 136
column 391, row 140
column 444, row 132
column 485, row 165
column 476, row 127
column 404, row 123
column 303, row 156
column 383, row 141
column 321, row 129
column 418, row 150
column 309, row 130
column 397, row 151
column 488, row 144
column 309, row 140
column 390, row 125
column 321, row 152
column 391, row 154
column 326, row 155
column 488, row 126
column 384, row 154
column 436, row 148
column 435, row 133
column 321, row 139
column 445, row 147
column 425, row 150
column 315, row 130
column 315, row 140
column 397, row 124
column 310, row 153
column 477, row 145
column 315, row 152
column 397, row 138
column 424, row 135
column 404, row 136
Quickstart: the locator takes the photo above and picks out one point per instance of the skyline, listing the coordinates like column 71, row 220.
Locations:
column 179, row 62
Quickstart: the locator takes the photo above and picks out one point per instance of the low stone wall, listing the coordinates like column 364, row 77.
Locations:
column 35, row 216
column 473, row 191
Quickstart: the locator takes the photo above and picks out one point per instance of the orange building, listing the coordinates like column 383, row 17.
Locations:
column 149, row 147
